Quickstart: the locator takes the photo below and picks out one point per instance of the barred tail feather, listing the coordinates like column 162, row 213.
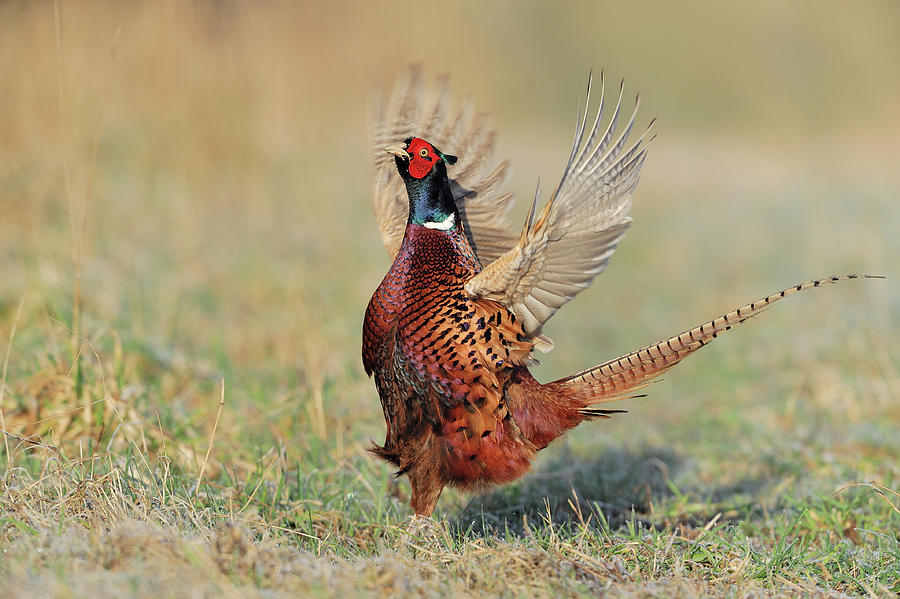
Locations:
column 611, row 380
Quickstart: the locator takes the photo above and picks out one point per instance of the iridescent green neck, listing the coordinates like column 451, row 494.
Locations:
column 431, row 201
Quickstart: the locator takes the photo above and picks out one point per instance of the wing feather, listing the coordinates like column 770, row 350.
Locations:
column 577, row 230
column 477, row 180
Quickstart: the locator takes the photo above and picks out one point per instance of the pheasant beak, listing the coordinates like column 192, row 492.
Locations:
column 397, row 150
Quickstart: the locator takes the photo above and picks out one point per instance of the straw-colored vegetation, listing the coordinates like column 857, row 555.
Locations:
column 186, row 250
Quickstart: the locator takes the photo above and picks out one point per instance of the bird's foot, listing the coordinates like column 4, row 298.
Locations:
column 424, row 533
column 422, row 525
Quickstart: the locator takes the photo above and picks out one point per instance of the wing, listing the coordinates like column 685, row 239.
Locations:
column 570, row 243
column 413, row 110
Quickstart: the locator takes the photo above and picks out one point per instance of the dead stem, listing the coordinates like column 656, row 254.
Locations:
column 12, row 335
column 212, row 438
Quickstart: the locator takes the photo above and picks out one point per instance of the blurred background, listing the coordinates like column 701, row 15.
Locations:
column 184, row 185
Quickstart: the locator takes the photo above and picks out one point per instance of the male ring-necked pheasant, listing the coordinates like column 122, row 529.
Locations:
column 448, row 335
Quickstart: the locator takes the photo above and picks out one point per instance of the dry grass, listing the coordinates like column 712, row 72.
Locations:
column 68, row 534
column 183, row 191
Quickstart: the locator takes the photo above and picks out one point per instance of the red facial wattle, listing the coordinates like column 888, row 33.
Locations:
column 422, row 157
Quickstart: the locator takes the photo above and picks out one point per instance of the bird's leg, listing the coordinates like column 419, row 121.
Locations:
column 426, row 484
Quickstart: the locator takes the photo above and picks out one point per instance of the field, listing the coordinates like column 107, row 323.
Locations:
column 187, row 249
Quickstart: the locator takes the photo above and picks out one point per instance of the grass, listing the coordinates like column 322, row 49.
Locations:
column 184, row 202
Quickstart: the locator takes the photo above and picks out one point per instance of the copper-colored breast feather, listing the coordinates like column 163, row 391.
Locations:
column 440, row 359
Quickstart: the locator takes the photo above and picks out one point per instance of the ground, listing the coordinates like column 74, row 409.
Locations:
column 187, row 251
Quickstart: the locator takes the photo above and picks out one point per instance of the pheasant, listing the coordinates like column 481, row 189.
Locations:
column 449, row 333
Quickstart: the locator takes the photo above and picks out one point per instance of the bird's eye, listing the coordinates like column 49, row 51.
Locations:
column 423, row 152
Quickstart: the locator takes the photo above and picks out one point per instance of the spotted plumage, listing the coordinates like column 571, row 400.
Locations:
column 441, row 362
column 449, row 333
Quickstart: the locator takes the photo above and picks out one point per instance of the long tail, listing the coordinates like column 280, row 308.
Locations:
column 611, row 380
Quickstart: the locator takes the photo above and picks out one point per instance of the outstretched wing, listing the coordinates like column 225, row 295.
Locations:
column 570, row 243
column 411, row 110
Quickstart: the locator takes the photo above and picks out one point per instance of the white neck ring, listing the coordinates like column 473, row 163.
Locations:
column 444, row 225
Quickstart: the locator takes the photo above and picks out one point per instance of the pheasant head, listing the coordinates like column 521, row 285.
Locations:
column 423, row 169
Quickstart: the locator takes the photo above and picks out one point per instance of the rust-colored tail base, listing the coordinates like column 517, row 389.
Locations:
column 613, row 379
